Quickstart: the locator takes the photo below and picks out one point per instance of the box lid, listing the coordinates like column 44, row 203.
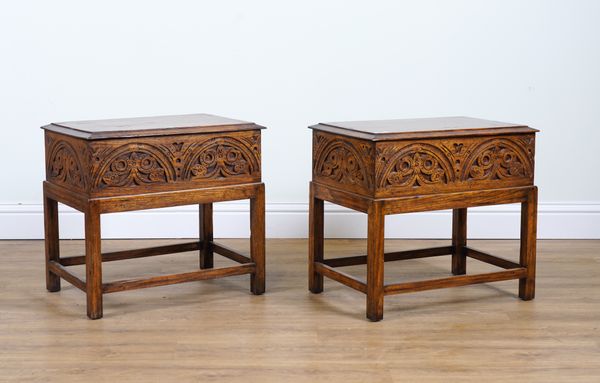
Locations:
column 439, row 127
column 150, row 126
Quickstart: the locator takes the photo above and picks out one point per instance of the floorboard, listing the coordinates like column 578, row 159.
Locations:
column 217, row 331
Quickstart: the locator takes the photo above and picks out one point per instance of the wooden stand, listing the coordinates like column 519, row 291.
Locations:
column 132, row 174
column 412, row 176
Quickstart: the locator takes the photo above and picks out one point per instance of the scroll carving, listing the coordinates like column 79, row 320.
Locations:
column 138, row 164
column 220, row 158
column 134, row 165
column 136, row 168
column 339, row 161
column 496, row 160
column 65, row 166
column 416, row 165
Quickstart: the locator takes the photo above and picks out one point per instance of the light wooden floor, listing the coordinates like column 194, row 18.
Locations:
column 218, row 331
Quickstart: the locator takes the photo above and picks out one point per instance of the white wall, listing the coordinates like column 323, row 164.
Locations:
column 286, row 65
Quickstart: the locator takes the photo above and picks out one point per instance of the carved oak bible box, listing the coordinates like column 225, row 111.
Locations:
column 128, row 164
column 401, row 166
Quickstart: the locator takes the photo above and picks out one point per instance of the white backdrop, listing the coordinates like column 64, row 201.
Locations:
column 286, row 65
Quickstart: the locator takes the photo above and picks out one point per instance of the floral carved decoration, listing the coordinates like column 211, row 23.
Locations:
column 64, row 166
column 220, row 158
column 136, row 168
column 496, row 160
column 415, row 166
column 341, row 163
column 134, row 165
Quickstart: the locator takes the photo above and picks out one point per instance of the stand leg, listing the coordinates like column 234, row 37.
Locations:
column 375, row 262
column 51, row 243
column 257, row 240
column 528, row 245
column 206, row 235
column 459, row 241
column 315, row 242
column 93, row 263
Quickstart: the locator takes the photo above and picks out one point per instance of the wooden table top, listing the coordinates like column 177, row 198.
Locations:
column 150, row 126
column 382, row 130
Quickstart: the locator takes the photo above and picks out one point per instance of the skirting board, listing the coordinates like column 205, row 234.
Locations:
column 290, row 220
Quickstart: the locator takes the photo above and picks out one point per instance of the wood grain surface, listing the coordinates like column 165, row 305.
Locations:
column 217, row 331
column 149, row 126
column 457, row 126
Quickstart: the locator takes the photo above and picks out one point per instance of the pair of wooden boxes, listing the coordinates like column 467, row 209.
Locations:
column 376, row 167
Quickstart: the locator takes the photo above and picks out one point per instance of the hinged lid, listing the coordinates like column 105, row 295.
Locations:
column 384, row 130
column 150, row 126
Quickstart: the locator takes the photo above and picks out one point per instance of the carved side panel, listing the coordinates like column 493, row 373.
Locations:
column 152, row 164
column 343, row 162
column 66, row 161
column 447, row 165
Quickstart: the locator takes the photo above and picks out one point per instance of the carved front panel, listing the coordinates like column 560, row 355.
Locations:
column 445, row 165
column 343, row 162
column 149, row 164
column 413, row 167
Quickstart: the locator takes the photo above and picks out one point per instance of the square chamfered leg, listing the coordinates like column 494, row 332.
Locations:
column 528, row 245
column 459, row 241
column 206, row 235
column 375, row 261
column 257, row 240
column 315, row 242
column 93, row 262
column 51, row 242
